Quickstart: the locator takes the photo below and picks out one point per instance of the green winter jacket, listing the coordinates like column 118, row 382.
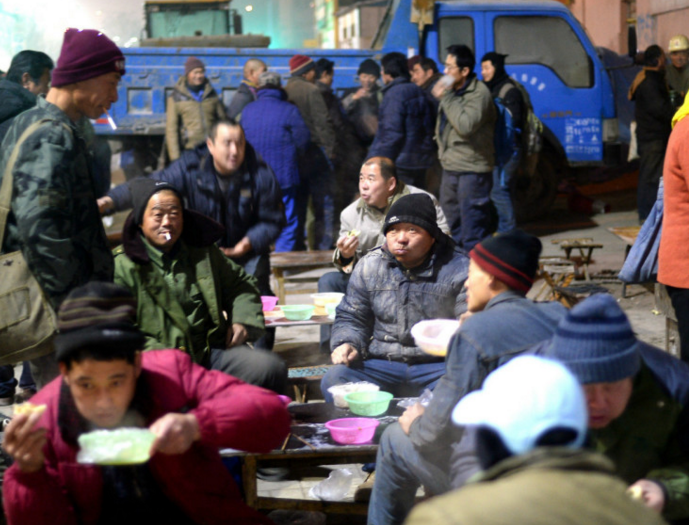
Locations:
column 54, row 218
column 464, row 129
column 223, row 285
column 547, row 486
column 188, row 120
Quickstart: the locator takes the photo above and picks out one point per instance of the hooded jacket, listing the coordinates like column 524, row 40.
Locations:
column 224, row 286
column 653, row 110
column 384, row 301
column 188, row 120
column 230, row 414
column 13, row 100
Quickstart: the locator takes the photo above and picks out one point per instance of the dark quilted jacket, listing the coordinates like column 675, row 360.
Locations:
column 276, row 130
column 405, row 126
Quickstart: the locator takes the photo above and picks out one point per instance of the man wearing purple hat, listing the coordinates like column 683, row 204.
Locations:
column 53, row 215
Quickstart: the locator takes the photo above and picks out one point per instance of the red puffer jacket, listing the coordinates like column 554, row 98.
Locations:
column 230, row 414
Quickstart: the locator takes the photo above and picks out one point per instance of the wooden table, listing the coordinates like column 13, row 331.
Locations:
column 298, row 262
column 276, row 318
column 307, row 423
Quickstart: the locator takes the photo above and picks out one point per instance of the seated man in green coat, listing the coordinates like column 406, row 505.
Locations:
column 189, row 295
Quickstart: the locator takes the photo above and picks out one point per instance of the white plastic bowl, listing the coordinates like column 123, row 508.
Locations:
column 433, row 335
column 340, row 391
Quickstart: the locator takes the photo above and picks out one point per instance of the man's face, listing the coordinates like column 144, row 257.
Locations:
column 102, row 390
column 367, row 81
column 227, row 149
column 163, row 221
column 386, row 78
column 478, row 287
column 196, row 77
column 419, row 76
column 327, row 78
column 409, row 243
column 37, row 88
column 373, row 188
column 679, row 58
column 487, row 70
column 310, row 76
column 459, row 74
column 253, row 75
column 607, row 401
column 93, row 97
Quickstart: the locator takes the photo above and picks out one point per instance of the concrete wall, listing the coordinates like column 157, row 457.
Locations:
column 659, row 20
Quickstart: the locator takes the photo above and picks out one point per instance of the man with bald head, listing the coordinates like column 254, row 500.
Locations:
column 246, row 92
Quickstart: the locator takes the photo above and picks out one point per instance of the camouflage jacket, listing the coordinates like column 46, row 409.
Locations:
column 54, row 218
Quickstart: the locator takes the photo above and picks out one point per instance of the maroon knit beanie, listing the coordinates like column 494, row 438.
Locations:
column 191, row 64
column 85, row 54
column 300, row 64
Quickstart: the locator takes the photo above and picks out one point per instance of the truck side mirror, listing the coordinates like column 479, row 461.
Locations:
column 631, row 41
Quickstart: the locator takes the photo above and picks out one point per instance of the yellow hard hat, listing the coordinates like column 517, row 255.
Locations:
column 678, row 43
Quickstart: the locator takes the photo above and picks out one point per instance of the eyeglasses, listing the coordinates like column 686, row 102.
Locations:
column 450, row 66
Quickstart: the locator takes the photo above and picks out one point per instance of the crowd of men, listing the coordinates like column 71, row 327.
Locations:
column 538, row 414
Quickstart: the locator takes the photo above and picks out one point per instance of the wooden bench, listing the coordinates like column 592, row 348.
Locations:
column 298, row 262
column 301, row 377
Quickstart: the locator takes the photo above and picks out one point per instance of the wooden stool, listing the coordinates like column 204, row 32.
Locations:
column 585, row 246
column 571, row 295
column 556, row 272
column 301, row 377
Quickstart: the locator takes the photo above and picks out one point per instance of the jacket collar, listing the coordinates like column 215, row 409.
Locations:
column 181, row 86
column 396, row 82
column 275, row 93
column 504, row 297
column 470, row 85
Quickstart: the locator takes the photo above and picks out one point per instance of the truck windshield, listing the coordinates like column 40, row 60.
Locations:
column 546, row 40
column 454, row 30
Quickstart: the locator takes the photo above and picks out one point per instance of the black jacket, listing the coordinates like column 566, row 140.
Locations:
column 14, row 99
column 653, row 111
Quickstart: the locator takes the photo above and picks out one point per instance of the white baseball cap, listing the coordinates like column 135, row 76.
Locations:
column 525, row 398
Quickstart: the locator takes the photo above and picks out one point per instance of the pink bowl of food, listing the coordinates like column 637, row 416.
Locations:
column 269, row 302
column 352, row 430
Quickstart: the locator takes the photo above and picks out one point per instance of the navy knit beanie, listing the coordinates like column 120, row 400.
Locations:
column 415, row 208
column 511, row 257
column 595, row 341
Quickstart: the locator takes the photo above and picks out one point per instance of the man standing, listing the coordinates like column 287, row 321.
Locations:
column 361, row 225
column 184, row 287
column 54, row 218
column 361, row 104
column 28, row 77
column 192, row 109
column 678, row 70
column 417, row 274
column 503, row 87
column 464, row 131
column 653, row 113
column 106, row 382
column 637, row 397
column 425, row 74
column 405, row 123
column 226, row 180
column 246, row 92
column 317, row 173
column 424, row 448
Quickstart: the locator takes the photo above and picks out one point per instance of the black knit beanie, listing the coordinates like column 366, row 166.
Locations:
column 511, row 257
column 415, row 208
column 101, row 317
column 142, row 189
column 370, row 67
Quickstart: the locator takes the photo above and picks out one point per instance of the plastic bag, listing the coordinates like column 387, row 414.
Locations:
column 424, row 399
column 334, row 487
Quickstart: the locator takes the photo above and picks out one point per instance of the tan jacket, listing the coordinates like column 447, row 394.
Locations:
column 189, row 121
column 548, row 486
column 307, row 97
column 369, row 221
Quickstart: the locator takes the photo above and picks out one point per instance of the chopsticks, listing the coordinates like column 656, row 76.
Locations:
column 284, row 445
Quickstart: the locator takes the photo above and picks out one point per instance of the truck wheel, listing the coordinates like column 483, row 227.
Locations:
column 534, row 194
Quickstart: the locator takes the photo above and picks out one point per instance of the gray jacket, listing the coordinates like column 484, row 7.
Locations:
column 384, row 301
column 369, row 222
column 465, row 127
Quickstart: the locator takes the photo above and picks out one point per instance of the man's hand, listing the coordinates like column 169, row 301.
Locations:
column 465, row 316
column 175, row 433
column 25, row 444
column 439, row 90
column 652, row 494
column 361, row 92
column 409, row 415
column 236, row 335
column 241, row 248
column 347, row 244
column 344, row 354
column 105, row 205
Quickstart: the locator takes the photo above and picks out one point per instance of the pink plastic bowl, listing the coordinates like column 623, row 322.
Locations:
column 286, row 400
column 352, row 430
column 269, row 302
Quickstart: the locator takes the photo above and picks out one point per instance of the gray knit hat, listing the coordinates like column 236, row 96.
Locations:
column 596, row 342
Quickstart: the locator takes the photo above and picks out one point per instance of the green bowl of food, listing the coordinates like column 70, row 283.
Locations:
column 122, row 446
column 297, row 312
column 368, row 403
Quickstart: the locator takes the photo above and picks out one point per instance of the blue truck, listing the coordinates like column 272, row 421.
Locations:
column 548, row 52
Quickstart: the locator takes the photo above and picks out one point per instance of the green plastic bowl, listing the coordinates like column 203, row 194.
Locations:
column 298, row 312
column 123, row 446
column 368, row 403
